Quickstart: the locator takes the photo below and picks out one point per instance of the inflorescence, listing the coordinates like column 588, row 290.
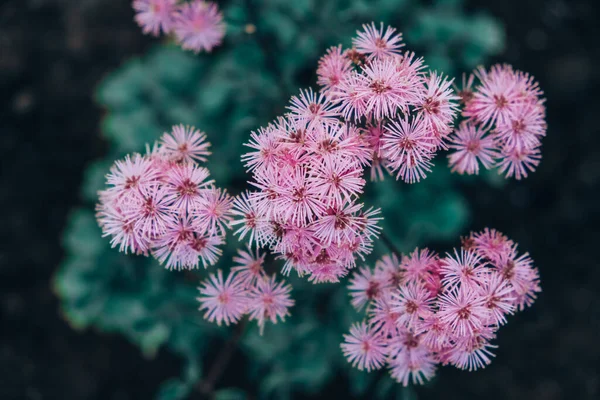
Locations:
column 163, row 203
column 197, row 25
column 378, row 107
column 423, row 309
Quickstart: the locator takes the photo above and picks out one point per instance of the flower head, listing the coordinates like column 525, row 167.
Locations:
column 224, row 301
column 199, row 26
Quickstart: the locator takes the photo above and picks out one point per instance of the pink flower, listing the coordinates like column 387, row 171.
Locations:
column 376, row 43
column 334, row 66
column 525, row 128
column 418, row 265
column 518, row 161
column 199, row 26
column 133, row 174
column 185, row 144
column 409, row 359
column 412, row 302
column 463, row 310
column 364, row 348
column 382, row 316
column 154, row 16
column 247, row 216
column 492, row 245
column 408, row 147
column 464, row 269
column 224, row 302
column 472, row 352
column 472, row 146
column 213, row 211
column 187, row 183
column 498, row 295
column 312, row 109
column 250, row 267
column 121, row 229
column 150, row 211
column 364, row 287
column 522, row 276
column 438, row 105
column 268, row 301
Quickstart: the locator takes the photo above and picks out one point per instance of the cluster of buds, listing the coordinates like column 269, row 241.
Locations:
column 197, row 24
column 505, row 122
column 164, row 204
column 247, row 290
column 424, row 310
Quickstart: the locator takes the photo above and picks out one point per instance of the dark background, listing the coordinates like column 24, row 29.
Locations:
column 54, row 52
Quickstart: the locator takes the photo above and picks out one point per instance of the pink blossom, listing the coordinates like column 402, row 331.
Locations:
column 438, row 105
column 212, row 211
column 154, row 16
column 376, row 43
column 364, row 348
column 464, row 269
column 251, row 266
column 473, row 351
column 311, row 109
column 365, row 287
column 199, row 26
column 492, row 245
column 334, row 66
column 224, row 301
column 410, row 360
column 187, row 183
column 463, row 310
column 269, row 301
column 518, row 161
column 472, row 146
column 412, row 302
column 408, row 147
column 185, row 144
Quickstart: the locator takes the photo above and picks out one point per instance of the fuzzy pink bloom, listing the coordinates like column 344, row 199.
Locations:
column 173, row 248
column 412, row 302
column 213, row 211
column 132, row 174
column 464, row 269
column 463, row 310
column 336, row 182
column 364, row 287
column 333, row 68
column 154, row 16
column 121, row 230
column 525, row 128
column 472, row 146
column 269, row 301
column 472, row 352
column 250, row 267
column 499, row 298
column 518, row 161
column 382, row 316
column 246, row 215
column 492, row 245
column 187, row 183
column 224, row 301
column 418, row 265
column 410, row 360
column 185, row 144
column 150, row 211
column 497, row 97
column 364, row 348
column 408, row 147
column 438, row 105
column 389, row 268
column 199, row 26
column 522, row 276
column 311, row 109
column 377, row 43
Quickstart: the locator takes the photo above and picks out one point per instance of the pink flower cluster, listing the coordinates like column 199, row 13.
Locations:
column 505, row 122
column 307, row 170
column 406, row 113
column 425, row 310
column 247, row 290
column 164, row 204
column 197, row 25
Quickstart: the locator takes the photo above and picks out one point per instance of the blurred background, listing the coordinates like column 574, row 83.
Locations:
column 80, row 86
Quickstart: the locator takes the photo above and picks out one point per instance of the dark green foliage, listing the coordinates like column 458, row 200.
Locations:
column 241, row 86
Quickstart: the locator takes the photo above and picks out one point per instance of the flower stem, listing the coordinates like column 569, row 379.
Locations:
column 389, row 244
column 207, row 386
